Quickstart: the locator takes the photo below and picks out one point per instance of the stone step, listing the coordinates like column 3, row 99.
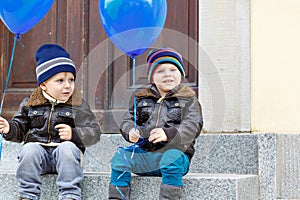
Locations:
column 215, row 153
column 197, row 186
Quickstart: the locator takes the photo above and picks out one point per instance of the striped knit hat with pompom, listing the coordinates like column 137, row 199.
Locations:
column 52, row 59
column 164, row 55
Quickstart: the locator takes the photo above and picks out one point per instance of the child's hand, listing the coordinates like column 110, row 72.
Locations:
column 134, row 135
column 158, row 135
column 4, row 125
column 64, row 131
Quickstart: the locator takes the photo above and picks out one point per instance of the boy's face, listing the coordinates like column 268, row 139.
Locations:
column 166, row 76
column 60, row 86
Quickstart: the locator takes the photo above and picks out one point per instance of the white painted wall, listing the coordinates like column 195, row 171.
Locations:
column 224, row 90
column 239, row 92
column 275, row 65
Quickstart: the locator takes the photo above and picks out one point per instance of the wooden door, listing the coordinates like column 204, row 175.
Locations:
column 104, row 72
column 64, row 24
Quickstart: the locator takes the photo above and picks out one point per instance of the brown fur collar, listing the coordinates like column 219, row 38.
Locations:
column 37, row 98
column 180, row 91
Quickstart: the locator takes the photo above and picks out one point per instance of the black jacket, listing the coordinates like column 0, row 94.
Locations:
column 178, row 113
column 37, row 117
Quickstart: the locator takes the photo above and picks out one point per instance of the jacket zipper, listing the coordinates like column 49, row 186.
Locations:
column 160, row 100
column 49, row 121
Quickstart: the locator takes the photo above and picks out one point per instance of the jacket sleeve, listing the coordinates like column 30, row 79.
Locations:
column 190, row 126
column 127, row 124
column 19, row 125
column 87, row 129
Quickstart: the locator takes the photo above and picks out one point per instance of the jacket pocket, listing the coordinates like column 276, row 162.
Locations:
column 175, row 109
column 144, row 110
column 66, row 117
column 37, row 119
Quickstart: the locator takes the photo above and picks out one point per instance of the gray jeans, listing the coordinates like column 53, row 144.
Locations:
column 35, row 160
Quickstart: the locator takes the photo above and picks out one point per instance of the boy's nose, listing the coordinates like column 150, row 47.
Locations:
column 67, row 84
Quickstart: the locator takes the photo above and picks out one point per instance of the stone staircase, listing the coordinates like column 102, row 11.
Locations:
column 225, row 166
column 197, row 186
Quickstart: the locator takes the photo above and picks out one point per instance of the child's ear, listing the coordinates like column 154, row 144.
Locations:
column 43, row 86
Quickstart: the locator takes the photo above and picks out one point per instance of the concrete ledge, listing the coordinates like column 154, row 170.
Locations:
column 197, row 186
column 273, row 157
column 215, row 153
column 288, row 166
column 226, row 153
column 222, row 168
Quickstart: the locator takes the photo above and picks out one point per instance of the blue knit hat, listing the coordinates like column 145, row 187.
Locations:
column 52, row 59
column 164, row 55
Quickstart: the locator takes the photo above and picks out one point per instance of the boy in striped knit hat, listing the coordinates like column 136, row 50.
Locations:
column 168, row 120
column 55, row 125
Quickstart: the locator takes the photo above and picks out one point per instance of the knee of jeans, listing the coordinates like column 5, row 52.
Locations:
column 120, row 160
column 30, row 149
column 172, row 158
column 67, row 150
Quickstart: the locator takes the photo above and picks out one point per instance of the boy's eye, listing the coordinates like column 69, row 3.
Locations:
column 60, row 80
column 173, row 68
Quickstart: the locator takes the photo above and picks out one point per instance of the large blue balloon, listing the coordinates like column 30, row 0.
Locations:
column 133, row 25
column 20, row 16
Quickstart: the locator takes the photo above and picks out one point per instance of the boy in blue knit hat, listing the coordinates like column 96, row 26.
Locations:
column 168, row 120
column 55, row 125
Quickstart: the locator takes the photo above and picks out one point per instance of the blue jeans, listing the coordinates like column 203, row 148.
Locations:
column 35, row 160
column 171, row 165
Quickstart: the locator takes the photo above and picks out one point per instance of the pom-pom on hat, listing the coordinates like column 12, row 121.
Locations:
column 164, row 55
column 52, row 59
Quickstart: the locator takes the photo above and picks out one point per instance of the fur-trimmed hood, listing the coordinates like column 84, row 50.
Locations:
column 37, row 98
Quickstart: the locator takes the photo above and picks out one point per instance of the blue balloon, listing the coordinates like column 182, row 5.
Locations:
column 133, row 25
column 19, row 16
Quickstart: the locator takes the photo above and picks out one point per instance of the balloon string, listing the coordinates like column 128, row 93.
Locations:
column 131, row 148
column 127, row 170
column 16, row 38
column 134, row 97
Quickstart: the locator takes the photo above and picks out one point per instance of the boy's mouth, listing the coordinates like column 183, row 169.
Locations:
column 168, row 81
